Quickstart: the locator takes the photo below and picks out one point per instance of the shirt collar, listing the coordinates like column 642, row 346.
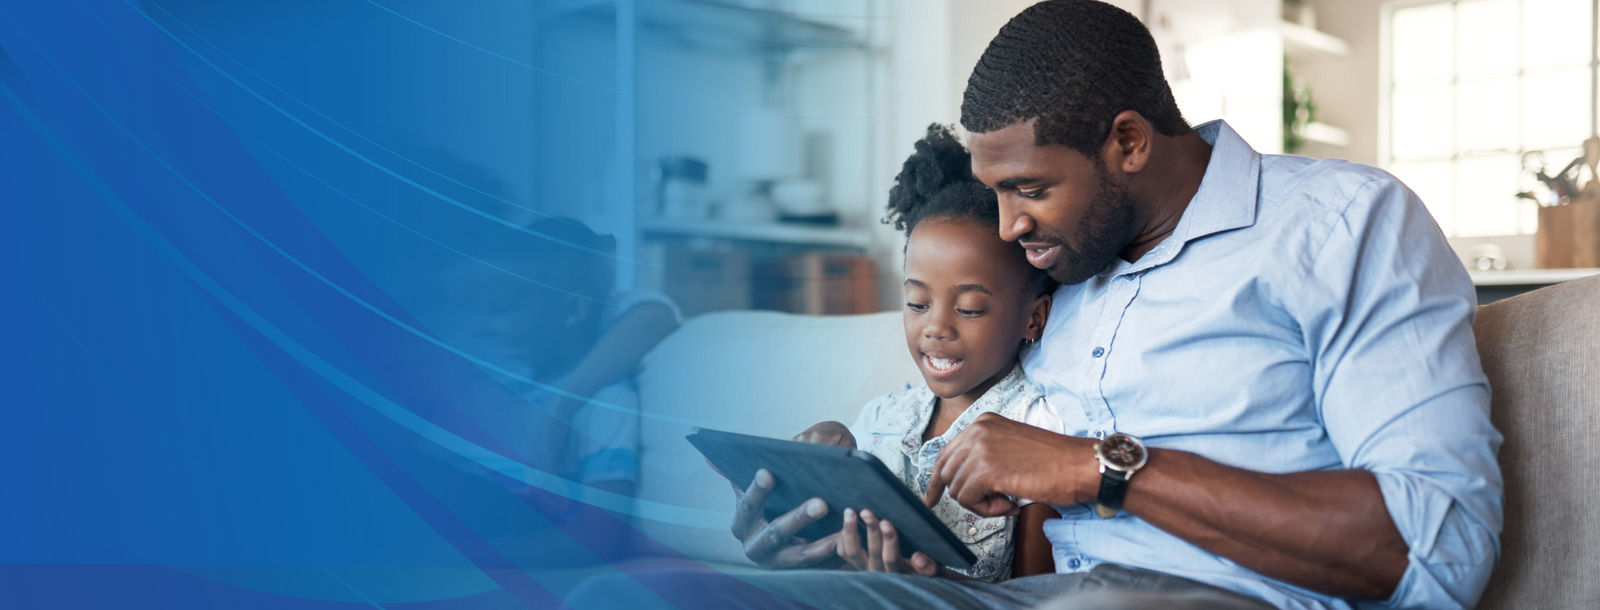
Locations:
column 1226, row 200
column 992, row 401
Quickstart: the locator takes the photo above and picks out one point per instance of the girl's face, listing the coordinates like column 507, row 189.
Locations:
column 966, row 311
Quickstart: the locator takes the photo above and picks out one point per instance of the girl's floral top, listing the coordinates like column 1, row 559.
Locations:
column 891, row 427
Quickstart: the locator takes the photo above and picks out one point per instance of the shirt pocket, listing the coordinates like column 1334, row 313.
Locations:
column 981, row 532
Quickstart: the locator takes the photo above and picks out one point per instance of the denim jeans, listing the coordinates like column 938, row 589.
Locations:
column 1106, row 587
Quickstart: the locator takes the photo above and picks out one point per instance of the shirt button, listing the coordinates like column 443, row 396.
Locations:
column 972, row 531
column 1072, row 564
column 1100, row 434
column 1099, row 351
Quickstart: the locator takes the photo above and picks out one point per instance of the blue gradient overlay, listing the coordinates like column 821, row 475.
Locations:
column 238, row 370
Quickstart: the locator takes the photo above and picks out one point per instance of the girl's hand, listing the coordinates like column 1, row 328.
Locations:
column 828, row 433
column 882, row 550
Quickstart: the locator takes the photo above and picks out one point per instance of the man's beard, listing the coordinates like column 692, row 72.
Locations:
column 1105, row 230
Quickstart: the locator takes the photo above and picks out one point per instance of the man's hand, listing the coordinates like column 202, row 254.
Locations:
column 772, row 544
column 828, row 433
column 1326, row 530
column 996, row 459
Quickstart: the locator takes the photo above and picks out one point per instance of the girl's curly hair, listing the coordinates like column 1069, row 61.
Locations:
column 936, row 182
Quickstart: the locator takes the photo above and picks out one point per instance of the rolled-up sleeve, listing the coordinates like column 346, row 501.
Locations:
column 1387, row 314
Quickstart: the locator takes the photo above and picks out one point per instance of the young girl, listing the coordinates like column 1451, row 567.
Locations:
column 972, row 303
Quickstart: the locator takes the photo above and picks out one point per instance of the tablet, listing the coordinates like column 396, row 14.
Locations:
column 844, row 478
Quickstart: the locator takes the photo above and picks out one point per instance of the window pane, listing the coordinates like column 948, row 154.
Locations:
column 1555, row 34
column 1488, row 201
column 1482, row 45
column 1475, row 83
column 1555, row 109
column 1434, row 183
column 1423, row 44
column 1529, row 218
column 1487, row 116
column 1423, row 123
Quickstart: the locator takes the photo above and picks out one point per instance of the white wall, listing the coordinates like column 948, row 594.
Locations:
column 1346, row 89
column 919, row 92
column 1224, row 60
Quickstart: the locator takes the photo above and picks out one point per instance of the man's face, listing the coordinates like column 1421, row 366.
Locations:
column 1062, row 207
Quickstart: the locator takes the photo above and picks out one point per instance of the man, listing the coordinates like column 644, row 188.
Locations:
column 1277, row 352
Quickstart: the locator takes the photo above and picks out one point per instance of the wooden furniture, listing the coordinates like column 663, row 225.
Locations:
column 703, row 280
column 719, row 266
column 817, row 284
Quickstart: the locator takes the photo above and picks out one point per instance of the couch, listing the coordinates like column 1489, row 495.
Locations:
column 1541, row 351
column 774, row 374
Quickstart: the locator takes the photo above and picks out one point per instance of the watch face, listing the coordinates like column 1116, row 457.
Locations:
column 1122, row 452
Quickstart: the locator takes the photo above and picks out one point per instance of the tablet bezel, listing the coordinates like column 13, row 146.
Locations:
column 844, row 478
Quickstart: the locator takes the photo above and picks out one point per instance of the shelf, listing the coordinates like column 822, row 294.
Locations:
column 717, row 26
column 760, row 232
column 1302, row 42
column 1325, row 134
column 1528, row 277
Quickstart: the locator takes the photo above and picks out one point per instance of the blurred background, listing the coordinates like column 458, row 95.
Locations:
column 756, row 174
column 740, row 151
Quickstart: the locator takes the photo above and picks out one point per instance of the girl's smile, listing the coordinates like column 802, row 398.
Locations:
column 940, row 364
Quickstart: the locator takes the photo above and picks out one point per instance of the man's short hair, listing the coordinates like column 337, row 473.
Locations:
column 1073, row 65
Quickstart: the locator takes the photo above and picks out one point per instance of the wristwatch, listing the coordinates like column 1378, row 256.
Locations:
column 1120, row 455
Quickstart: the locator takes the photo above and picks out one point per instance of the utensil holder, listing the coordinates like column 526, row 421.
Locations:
column 1569, row 235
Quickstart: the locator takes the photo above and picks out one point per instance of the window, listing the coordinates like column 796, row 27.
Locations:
column 1471, row 86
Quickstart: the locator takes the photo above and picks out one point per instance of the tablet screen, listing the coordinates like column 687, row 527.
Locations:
column 844, row 478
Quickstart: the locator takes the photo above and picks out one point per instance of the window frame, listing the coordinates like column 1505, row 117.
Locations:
column 1386, row 90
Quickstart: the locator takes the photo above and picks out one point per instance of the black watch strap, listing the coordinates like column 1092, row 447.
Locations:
column 1113, row 484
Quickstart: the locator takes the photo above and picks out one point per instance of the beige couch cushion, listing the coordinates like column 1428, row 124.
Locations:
column 764, row 373
column 1541, row 351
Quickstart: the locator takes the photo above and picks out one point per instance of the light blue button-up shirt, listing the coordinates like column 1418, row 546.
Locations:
column 1304, row 315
